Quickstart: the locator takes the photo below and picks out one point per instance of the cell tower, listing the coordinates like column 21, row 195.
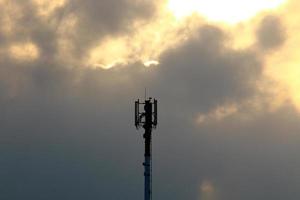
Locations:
column 147, row 120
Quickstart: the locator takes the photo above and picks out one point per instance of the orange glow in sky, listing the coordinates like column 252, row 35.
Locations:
column 230, row 11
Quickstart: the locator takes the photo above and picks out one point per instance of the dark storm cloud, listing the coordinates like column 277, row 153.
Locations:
column 109, row 16
column 97, row 19
column 94, row 20
column 257, row 158
column 27, row 26
column 203, row 73
column 271, row 33
column 58, row 140
column 67, row 132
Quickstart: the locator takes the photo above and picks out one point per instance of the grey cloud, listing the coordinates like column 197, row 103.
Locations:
column 28, row 26
column 203, row 73
column 67, row 132
column 271, row 33
column 109, row 16
column 64, row 121
column 259, row 157
column 97, row 19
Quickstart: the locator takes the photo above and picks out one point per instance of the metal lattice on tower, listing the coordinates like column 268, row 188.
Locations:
column 147, row 120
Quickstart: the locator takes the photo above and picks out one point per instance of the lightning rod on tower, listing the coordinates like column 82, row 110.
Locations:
column 147, row 120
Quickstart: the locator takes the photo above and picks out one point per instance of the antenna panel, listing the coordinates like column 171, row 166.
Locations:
column 137, row 111
column 155, row 113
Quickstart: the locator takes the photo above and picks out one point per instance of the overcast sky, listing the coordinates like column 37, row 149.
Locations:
column 227, row 84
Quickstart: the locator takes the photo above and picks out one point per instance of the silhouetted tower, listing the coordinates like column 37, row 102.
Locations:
column 147, row 120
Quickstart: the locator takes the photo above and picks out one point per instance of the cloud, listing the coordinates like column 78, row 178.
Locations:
column 70, row 29
column 204, row 73
column 84, row 116
column 98, row 19
column 271, row 33
column 68, row 132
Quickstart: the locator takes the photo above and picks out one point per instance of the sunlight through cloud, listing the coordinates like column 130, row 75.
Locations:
column 230, row 11
column 24, row 51
column 46, row 7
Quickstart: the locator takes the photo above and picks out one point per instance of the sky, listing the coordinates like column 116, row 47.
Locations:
column 225, row 73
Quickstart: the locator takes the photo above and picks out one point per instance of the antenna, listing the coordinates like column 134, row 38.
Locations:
column 147, row 120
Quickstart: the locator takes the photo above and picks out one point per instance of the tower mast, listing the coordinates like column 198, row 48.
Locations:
column 148, row 121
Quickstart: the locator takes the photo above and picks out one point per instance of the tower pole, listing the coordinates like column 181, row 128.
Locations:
column 147, row 136
column 148, row 119
column 147, row 165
